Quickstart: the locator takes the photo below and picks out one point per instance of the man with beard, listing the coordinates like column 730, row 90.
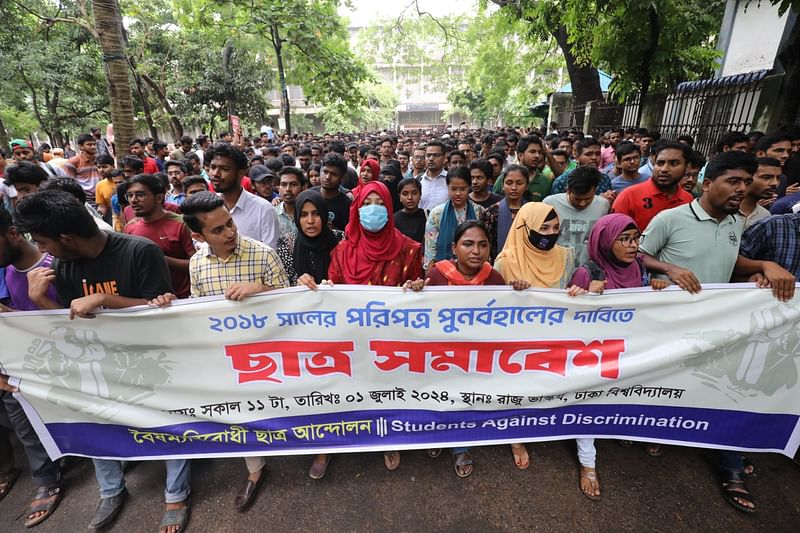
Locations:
column 662, row 191
column 254, row 216
column 136, row 147
column 699, row 243
column 83, row 167
column 763, row 187
column 22, row 150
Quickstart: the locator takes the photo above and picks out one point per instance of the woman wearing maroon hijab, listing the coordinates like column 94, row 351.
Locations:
column 614, row 263
column 374, row 252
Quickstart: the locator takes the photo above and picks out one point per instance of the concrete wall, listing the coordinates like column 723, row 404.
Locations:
column 751, row 36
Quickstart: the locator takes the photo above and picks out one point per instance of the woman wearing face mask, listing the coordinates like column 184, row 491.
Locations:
column 614, row 263
column 531, row 258
column 306, row 255
column 374, row 252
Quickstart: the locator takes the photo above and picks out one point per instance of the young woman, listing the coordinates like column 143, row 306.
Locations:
column 369, row 170
column 470, row 248
column 374, row 252
column 307, row 253
column 411, row 220
column 614, row 263
column 314, row 175
column 500, row 216
column 531, row 258
column 443, row 219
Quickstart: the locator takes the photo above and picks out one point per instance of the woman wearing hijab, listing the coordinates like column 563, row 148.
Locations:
column 391, row 176
column 307, row 253
column 614, row 263
column 443, row 219
column 531, row 258
column 373, row 252
column 499, row 217
column 369, row 170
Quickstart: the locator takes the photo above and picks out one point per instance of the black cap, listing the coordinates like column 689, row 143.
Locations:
column 260, row 173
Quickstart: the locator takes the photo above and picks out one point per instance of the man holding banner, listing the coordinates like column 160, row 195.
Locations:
column 699, row 243
column 97, row 269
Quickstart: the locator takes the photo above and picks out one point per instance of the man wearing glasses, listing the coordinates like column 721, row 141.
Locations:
column 166, row 229
column 434, row 181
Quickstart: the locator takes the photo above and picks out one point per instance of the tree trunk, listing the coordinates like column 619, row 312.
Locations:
column 789, row 57
column 174, row 123
column 278, row 44
column 647, row 58
column 109, row 34
column 584, row 78
column 227, row 51
column 4, row 140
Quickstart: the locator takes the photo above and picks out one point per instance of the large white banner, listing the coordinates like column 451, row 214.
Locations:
column 372, row 368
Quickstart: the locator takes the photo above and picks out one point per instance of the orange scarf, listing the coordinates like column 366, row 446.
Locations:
column 449, row 270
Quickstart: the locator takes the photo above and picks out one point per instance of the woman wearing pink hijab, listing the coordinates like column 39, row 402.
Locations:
column 614, row 263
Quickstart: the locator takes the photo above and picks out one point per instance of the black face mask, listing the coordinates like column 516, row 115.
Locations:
column 542, row 242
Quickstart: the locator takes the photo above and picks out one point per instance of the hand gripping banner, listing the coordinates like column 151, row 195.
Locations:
column 349, row 368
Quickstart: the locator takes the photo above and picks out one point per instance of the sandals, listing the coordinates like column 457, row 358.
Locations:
column 391, row 460
column 7, row 482
column 521, row 457
column 591, row 475
column 51, row 495
column 654, row 450
column 734, row 488
column 175, row 517
column 749, row 469
column 318, row 470
column 463, row 464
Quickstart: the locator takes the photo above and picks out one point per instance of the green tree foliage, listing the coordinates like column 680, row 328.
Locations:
column 646, row 44
column 375, row 113
column 311, row 37
column 54, row 74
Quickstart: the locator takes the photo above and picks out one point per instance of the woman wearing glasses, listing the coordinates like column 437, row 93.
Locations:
column 614, row 263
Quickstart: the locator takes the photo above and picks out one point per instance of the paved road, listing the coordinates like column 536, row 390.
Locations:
column 676, row 492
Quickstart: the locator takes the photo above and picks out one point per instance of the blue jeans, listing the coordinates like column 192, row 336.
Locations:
column 730, row 463
column 457, row 451
column 112, row 482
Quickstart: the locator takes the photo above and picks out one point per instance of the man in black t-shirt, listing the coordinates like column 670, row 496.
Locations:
column 93, row 270
column 333, row 169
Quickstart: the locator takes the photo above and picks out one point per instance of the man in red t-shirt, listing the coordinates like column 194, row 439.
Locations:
column 136, row 147
column 146, row 197
column 645, row 200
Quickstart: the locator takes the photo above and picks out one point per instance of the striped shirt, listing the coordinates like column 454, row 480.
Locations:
column 250, row 262
column 774, row 239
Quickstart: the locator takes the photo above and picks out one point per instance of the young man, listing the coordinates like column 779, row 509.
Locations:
column 482, row 174
column 405, row 161
column 333, row 169
column 292, row 183
column 468, row 148
column 176, row 171
column 530, row 152
column 132, row 165
column 133, row 271
column 136, row 147
column 608, row 153
column 263, row 180
column 18, row 256
column 234, row 265
column 417, row 163
column 695, row 162
column 628, row 156
column 83, row 167
column 160, row 153
column 588, row 151
column 646, row 142
column 662, row 191
column 699, row 243
column 763, row 188
column 304, row 158
column 166, row 229
column 456, row 158
column 254, row 216
column 434, row 180
column 778, row 146
column 578, row 209
column 106, row 187
column 193, row 185
column 22, row 150
column 185, row 148
column 25, row 177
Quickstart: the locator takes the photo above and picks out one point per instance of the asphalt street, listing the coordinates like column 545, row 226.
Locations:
column 676, row 492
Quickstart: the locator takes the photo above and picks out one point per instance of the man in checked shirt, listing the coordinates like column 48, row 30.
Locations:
column 234, row 265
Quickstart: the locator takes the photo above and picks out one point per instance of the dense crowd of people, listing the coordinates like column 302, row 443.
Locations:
column 113, row 227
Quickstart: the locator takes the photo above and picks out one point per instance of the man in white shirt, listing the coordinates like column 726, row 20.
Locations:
column 434, row 181
column 254, row 217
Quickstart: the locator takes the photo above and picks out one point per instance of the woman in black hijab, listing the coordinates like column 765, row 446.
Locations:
column 307, row 253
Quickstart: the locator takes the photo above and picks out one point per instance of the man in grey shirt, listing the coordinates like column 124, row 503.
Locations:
column 578, row 209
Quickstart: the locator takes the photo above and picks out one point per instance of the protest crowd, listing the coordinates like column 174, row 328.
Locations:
column 113, row 227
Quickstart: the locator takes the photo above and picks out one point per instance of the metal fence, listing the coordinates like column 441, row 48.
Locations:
column 707, row 109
